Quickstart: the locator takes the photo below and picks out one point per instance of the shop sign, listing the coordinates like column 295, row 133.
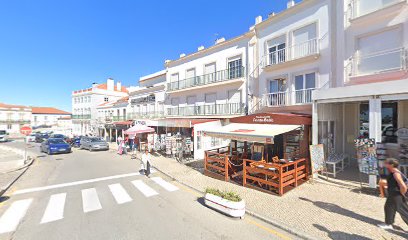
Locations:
column 140, row 122
column 262, row 119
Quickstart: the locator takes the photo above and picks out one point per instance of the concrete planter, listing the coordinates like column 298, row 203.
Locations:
column 233, row 209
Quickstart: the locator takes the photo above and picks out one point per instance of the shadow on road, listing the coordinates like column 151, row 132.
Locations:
column 340, row 235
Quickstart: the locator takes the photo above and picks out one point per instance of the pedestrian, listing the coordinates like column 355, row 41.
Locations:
column 146, row 162
column 396, row 200
column 119, row 141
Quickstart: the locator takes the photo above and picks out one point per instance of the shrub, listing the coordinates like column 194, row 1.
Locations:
column 231, row 196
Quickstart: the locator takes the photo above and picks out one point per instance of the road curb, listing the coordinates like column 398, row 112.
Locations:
column 6, row 187
column 277, row 224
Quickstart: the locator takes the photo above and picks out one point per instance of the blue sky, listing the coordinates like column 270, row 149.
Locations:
column 49, row 48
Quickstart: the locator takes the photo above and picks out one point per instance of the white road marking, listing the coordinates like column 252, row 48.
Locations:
column 146, row 190
column 55, row 208
column 90, row 200
column 166, row 185
column 37, row 189
column 13, row 215
column 119, row 193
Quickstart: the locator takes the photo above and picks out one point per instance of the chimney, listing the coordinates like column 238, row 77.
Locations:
column 182, row 55
column 219, row 40
column 290, row 3
column 271, row 14
column 119, row 86
column 167, row 61
column 94, row 84
column 258, row 20
column 200, row 48
column 110, row 84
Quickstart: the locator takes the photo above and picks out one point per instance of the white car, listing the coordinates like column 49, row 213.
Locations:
column 30, row 138
column 3, row 136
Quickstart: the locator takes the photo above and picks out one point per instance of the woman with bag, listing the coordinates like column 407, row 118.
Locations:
column 146, row 162
column 397, row 192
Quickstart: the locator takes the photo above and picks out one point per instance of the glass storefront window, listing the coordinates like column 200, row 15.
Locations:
column 389, row 114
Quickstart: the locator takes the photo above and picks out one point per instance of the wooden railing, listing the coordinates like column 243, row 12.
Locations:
column 216, row 164
column 271, row 177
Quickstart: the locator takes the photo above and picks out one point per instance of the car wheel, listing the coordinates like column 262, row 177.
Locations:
column 49, row 152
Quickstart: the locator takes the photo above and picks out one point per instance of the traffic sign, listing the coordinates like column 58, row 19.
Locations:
column 26, row 130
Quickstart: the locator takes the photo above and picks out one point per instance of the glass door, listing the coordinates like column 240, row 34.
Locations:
column 304, row 85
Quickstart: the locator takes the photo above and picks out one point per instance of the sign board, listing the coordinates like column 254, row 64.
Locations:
column 26, row 130
column 317, row 157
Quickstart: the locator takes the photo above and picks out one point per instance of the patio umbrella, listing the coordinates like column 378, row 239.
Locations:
column 138, row 129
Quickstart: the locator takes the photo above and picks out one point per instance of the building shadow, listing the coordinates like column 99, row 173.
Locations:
column 338, row 235
column 333, row 208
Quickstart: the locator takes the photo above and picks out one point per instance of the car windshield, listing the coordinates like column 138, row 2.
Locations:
column 96, row 140
column 58, row 136
column 55, row 141
column 2, row 132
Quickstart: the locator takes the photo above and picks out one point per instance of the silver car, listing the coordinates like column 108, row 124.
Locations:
column 93, row 144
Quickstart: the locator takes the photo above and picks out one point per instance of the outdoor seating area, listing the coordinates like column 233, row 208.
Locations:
column 273, row 158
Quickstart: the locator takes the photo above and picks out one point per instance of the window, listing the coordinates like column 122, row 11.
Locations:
column 304, row 85
column 277, row 92
column 304, row 41
column 190, row 77
column 174, row 77
column 9, row 126
column 389, row 115
column 106, row 99
column 89, row 98
column 277, row 50
column 210, row 73
column 235, row 68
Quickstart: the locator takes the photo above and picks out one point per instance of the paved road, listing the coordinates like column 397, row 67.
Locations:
column 99, row 195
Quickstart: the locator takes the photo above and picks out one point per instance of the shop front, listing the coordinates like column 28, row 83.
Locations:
column 267, row 151
column 343, row 116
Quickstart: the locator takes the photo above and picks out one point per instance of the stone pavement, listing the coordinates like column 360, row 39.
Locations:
column 322, row 209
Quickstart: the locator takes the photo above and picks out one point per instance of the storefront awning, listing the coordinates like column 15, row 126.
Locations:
column 261, row 133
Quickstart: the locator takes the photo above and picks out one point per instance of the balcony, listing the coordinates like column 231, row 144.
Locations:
column 292, row 54
column 382, row 63
column 216, row 77
column 360, row 8
column 213, row 109
column 14, row 121
column 81, row 117
column 145, row 115
column 288, row 98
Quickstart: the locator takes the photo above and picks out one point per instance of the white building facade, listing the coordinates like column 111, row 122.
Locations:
column 86, row 101
column 13, row 117
column 47, row 116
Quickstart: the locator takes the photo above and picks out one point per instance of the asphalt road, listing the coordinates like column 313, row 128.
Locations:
column 99, row 195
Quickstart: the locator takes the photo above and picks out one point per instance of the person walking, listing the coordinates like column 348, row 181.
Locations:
column 146, row 162
column 119, row 141
column 396, row 200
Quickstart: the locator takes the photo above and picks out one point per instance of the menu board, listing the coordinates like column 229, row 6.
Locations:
column 367, row 156
column 317, row 157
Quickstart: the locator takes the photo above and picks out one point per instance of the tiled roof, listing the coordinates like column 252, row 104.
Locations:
column 48, row 110
column 5, row 105
column 104, row 86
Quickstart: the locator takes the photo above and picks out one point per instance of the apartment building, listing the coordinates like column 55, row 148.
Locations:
column 147, row 100
column 209, row 85
column 13, row 117
column 369, row 94
column 295, row 49
column 112, row 118
column 47, row 116
column 86, row 101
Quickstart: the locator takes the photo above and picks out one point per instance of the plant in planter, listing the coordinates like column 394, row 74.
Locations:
column 228, row 203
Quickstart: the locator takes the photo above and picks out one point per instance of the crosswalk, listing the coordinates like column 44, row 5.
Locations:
column 55, row 208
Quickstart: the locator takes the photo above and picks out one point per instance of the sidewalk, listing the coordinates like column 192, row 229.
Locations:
column 324, row 210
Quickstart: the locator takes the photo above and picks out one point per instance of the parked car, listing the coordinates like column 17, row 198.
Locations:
column 54, row 146
column 60, row 136
column 41, row 137
column 75, row 142
column 30, row 138
column 94, row 143
column 4, row 136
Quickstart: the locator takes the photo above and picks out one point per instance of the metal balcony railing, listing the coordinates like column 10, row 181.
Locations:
column 219, row 76
column 288, row 98
column 358, row 8
column 207, row 109
column 82, row 116
column 308, row 48
column 145, row 115
column 376, row 63
column 10, row 121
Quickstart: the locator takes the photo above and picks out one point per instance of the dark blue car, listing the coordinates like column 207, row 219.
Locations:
column 54, row 146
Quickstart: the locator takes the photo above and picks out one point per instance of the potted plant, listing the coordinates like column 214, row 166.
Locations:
column 228, row 203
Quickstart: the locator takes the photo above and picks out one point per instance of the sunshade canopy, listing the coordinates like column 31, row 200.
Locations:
column 138, row 129
column 262, row 133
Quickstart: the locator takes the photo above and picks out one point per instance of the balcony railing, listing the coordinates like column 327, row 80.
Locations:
column 358, row 8
column 379, row 62
column 219, row 76
column 16, row 121
column 145, row 115
column 287, row 98
column 207, row 109
column 301, row 50
column 81, row 117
